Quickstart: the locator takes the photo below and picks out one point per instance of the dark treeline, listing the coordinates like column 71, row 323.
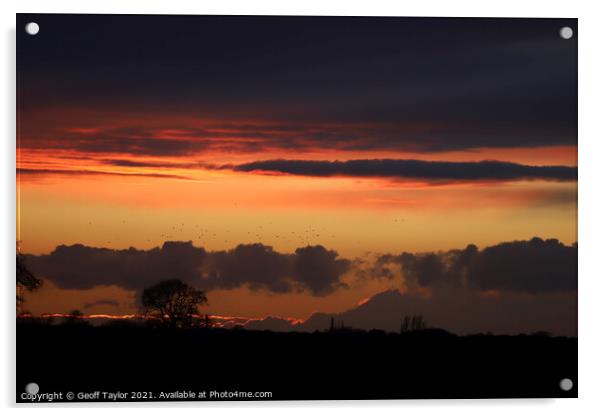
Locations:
column 340, row 363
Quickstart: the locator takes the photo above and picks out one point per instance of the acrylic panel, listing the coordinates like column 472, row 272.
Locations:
column 295, row 208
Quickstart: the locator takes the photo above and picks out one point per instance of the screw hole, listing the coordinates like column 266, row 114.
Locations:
column 566, row 384
column 32, row 28
column 32, row 388
column 566, row 32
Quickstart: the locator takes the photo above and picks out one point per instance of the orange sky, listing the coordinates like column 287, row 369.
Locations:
column 218, row 209
column 78, row 184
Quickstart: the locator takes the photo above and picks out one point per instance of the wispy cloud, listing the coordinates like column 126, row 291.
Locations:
column 68, row 172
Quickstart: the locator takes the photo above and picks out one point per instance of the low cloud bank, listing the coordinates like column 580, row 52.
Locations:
column 532, row 266
column 314, row 269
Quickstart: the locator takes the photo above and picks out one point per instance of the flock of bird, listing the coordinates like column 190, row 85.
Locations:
column 305, row 237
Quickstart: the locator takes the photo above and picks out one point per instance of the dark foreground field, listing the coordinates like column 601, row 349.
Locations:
column 292, row 366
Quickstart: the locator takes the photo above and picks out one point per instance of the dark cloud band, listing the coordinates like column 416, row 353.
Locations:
column 314, row 269
column 533, row 266
column 411, row 83
column 411, row 169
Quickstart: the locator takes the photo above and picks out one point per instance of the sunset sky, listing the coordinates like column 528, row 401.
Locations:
column 335, row 141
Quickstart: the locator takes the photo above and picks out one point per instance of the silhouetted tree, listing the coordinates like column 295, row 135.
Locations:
column 26, row 281
column 173, row 302
column 207, row 323
column 412, row 324
column 405, row 324
column 418, row 323
column 75, row 317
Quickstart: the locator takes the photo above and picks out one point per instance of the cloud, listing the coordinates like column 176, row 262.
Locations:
column 411, row 169
column 152, row 164
column 79, row 172
column 506, row 83
column 453, row 309
column 82, row 267
column 533, row 266
column 314, row 269
column 161, row 137
column 100, row 302
column 257, row 265
column 526, row 266
column 319, row 269
column 456, row 310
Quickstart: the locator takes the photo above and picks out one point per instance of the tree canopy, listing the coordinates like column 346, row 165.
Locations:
column 173, row 302
column 25, row 279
